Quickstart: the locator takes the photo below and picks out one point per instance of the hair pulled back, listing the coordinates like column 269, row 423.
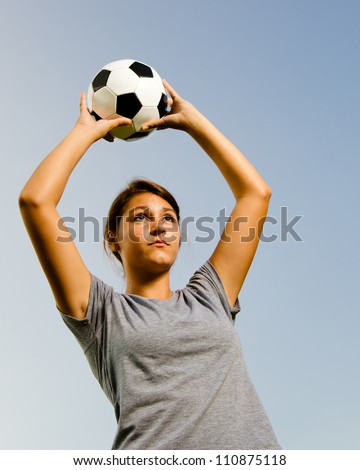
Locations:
column 134, row 187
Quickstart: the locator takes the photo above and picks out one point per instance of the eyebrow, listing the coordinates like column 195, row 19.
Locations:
column 164, row 209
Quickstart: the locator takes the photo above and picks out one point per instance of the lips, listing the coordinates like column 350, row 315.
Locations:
column 159, row 243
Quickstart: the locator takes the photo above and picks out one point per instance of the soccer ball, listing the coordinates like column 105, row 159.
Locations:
column 127, row 88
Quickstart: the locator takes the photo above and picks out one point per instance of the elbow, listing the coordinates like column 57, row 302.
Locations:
column 23, row 200
column 267, row 192
column 30, row 200
column 27, row 200
column 262, row 192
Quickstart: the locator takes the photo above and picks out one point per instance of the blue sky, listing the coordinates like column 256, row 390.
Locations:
column 281, row 80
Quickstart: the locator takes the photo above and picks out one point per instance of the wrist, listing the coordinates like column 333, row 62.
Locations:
column 196, row 123
column 84, row 135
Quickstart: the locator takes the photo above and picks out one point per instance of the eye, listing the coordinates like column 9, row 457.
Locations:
column 170, row 218
column 140, row 216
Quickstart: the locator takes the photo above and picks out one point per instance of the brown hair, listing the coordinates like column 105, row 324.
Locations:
column 134, row 187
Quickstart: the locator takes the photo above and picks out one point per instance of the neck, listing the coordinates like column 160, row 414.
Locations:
column 154, row 287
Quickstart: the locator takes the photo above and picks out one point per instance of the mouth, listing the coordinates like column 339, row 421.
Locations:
column 159, row 243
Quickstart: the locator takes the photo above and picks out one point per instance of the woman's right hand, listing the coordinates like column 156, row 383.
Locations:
column 98, row 129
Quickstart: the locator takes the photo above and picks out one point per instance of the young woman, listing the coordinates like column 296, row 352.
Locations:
column 170, row 362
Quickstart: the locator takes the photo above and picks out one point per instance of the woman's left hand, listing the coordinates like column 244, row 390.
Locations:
column 180, row 117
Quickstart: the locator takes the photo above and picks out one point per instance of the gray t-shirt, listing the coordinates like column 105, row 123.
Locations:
column 173, row 369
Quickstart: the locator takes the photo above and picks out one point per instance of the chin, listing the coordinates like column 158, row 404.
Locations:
column 158, row 265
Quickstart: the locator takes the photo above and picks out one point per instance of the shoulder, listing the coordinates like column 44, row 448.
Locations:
column 101, row 297
column 205, row 282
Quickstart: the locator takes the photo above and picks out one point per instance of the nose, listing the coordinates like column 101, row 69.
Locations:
column 157, row 227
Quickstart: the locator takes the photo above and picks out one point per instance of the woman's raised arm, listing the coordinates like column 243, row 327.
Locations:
column 64, row 268
column 236, row 249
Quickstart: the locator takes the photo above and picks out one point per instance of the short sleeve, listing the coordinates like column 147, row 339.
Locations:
column 91, row 332
column 87, row 329
column 206, row 281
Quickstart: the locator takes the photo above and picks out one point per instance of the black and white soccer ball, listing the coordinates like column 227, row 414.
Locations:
column 128, row 88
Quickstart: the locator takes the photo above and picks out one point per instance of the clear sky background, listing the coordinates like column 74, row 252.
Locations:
column 281, row 79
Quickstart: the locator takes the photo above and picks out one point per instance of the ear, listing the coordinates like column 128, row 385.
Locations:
column 114, row 247
column 112, row 244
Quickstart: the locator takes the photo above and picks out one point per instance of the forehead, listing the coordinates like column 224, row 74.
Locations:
column 152, row 201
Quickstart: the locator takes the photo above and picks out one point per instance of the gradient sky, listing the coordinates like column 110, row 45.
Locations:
column 281, row 79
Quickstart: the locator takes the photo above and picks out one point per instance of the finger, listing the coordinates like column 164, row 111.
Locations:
column 83, row 106
column 119, row 121
column 171, row 90
column 170, row 102
column 152, row 124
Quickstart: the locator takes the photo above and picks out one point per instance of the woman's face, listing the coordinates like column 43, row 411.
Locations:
column 148, row 234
